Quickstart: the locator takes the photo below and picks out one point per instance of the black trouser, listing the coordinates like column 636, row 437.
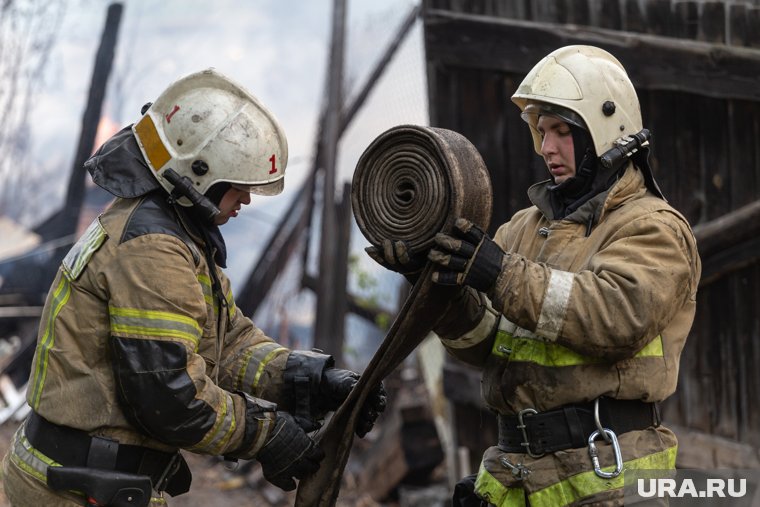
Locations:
column 464, row 493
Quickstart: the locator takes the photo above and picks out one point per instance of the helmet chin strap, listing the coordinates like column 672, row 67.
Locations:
column 183, row 187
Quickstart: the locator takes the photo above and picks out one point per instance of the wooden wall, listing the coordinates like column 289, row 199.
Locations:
column 696, row 68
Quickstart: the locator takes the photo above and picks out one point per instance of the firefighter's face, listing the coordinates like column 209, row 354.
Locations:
column 230, row 204
column 557, row 147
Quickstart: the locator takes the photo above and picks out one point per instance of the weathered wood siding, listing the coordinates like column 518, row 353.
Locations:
column 704, row 112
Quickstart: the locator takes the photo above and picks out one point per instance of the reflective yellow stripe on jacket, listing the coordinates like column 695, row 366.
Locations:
column 224, row 427
column 571, row 489
column 134, row 321
column 45, row 343
column 208, row 295
column 28, row 458
column 254, row 362
column 518, row 344
column 494, row 492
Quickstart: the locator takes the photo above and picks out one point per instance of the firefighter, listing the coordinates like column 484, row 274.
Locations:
column 141, row 350
column 578, row 309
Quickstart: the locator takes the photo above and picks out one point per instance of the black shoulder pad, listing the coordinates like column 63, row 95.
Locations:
column 156, row 216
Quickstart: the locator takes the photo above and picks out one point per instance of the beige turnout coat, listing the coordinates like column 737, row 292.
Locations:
column 135, row 345
column 597, row 304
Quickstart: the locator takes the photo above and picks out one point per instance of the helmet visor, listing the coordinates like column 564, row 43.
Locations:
column 534, row 110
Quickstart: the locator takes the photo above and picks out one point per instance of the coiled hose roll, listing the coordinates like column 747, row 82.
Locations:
column 410, row 183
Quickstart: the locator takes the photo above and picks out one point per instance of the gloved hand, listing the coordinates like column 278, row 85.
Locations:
column 288, row 454
column 394, row 255
column 334, row 388
column 467, row 257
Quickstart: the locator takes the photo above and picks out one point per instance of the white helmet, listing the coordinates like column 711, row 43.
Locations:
column 209, row 129
column 592, row 90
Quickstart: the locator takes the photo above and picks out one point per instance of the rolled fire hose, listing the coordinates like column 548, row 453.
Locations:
column 410, row 183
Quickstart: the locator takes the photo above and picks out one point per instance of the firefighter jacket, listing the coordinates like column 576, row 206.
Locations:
column 597, row 304
column 141, row 340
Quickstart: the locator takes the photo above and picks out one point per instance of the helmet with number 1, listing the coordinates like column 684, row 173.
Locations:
column 210, row 129
column 585, row 86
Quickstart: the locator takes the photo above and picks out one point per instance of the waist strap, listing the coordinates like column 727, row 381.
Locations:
column 569, row 427
column 72, row 447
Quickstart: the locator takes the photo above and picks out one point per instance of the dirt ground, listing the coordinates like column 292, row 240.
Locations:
column 214, row 485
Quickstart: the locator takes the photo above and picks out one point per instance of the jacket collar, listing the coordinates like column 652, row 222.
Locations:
column 629, row 186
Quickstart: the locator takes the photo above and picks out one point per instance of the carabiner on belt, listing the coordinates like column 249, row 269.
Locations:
column 594, row 453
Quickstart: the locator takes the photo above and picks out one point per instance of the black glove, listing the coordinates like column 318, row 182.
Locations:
column 467, row 257
column 394, row 255
column 289, row 453
column 315, row 387
column 334, row 388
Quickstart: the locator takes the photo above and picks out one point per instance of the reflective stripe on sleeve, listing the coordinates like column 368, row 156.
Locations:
column 255, row 361
column 262, row 432
column 230, row 303
column 218, row 437
column 159, row 324
column 481, row 332
column 60, row 297
column 555, row 304
column 82, row 251
column 517, row 344
column 208, row 295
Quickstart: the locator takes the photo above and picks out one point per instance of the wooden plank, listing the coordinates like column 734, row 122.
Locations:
column 610, row 16
column 545, row 11
column 722, row 362
column 713, row 133
column 686, row 19
column 729, row 259
column 659, row 20
column 743, row 187
column 634, row 18
column 578, row 12
column 700, row 450
column 753, row 20
column 751, row 293
column 729, row 229
column 713, row 22
column 737, row 25
column 330, row 137
column 687, row 197
column 652, row 62
column 665, row 129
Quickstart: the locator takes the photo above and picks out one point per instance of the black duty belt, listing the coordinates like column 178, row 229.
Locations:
column 569, row 427
column 72, row 447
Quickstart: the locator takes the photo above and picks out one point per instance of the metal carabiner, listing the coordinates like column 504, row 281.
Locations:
column 598, row 421
column 593, row 452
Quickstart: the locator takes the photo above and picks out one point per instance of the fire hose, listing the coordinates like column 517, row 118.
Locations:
column 409, row 184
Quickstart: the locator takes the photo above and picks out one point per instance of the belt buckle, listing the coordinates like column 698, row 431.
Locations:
column 526, row 443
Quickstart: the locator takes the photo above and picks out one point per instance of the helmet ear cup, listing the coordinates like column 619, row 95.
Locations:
column 209, row 129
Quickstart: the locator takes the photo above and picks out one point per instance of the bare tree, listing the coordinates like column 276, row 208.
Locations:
column 28, row 30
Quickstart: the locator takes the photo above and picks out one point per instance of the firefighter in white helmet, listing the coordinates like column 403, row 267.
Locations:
column 578, row 309
column 142, row 351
